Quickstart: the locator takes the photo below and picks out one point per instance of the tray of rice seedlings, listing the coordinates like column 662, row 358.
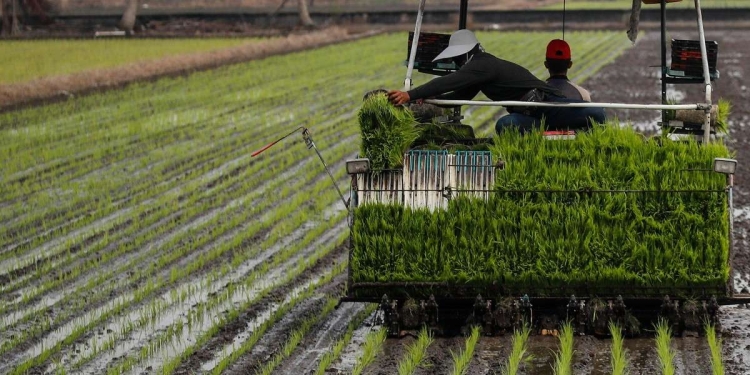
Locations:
column 389, row 131
column 449, row 136
column 608, row 213
column 692, row 120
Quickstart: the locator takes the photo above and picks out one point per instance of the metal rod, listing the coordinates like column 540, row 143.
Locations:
column 333, row 179
column 551, row 191
column 730, row 184
column 663, row 59
column 462, row 14
column 488, row 103
column 706, row 76
column 266, row 147
column 414, row 44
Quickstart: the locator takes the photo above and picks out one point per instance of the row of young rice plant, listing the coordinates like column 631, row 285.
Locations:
column 246, row 150
column 608, row 209
column 618, row 359
column 296, row 337
column 370, row 350
column 215, row 214
column 297, row 204
column 24, row 60
column 334, row 354
column 249, row 232
column 518, row 353
column 564, row 357
column 415, row 353
column 121, row 208
column 462, row 359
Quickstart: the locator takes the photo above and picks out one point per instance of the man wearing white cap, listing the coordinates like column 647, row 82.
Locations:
column 499, row 80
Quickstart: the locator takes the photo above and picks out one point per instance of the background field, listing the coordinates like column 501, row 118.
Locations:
column 138, row 233
column 29, row 59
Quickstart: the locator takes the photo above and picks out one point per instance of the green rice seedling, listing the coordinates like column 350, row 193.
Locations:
column 373, row 344
column 462, row 359
column 722, row 116
column 387, row 132
column 577, row 204
column 296, row 338
column 714, row 344
column 564, row 358
column 518, row 354
column 338, row 347
column 619, row 359
column 664, row 349
column 415, row 353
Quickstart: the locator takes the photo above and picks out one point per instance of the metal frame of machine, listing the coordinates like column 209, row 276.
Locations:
column 431, row 178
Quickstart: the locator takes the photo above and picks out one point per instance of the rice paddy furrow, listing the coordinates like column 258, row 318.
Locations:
column 201, row 295
column 119, row 304
column 167, row 273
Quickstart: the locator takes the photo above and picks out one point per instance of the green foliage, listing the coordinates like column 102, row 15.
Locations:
column 619, row 359
column 80, row 55
column 296, row 338
column 415, row 353
column 664, row 347
column 714, row 344
column 722, row 116
column 564, row 359
column 546, row 225
column 518, row 354
column 149, row 188
column 387, row 132
column 373, row 344
column 338, row 347
column 463, row 357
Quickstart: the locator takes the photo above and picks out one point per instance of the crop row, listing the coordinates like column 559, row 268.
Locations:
column 227, row 222
column 607, row 208
column 133, row 219
column 560, row 361
column 81, row 55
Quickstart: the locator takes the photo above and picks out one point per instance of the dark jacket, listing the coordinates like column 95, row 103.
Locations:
column 569, row 89
column 496, row 78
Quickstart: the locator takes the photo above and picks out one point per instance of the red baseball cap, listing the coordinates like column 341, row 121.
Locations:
column 558, row 49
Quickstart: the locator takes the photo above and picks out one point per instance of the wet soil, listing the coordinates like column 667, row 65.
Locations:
column 320, row 340
column 273, row 341
column 387, row 362
column 490, row 354
column 439, row 359
column 229, row 331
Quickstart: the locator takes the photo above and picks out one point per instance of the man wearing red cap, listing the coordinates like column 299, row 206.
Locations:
column 499, row 80
column 558, row 62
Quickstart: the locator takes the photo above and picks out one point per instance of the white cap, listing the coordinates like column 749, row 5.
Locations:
column 462, row 41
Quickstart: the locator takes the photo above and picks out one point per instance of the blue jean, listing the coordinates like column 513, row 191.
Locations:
column 555, row 118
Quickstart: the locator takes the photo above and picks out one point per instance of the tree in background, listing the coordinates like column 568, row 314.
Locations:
column 128, row 17
column 9, row 17
column 304, row 12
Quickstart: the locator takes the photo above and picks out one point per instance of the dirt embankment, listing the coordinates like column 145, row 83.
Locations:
column 56, row 88
column 66, row 5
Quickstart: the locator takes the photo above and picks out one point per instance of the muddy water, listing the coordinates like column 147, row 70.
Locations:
column 736, row 336
column 488, row 355
column 394, row 350
column 439, row 359
column 353, row 350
